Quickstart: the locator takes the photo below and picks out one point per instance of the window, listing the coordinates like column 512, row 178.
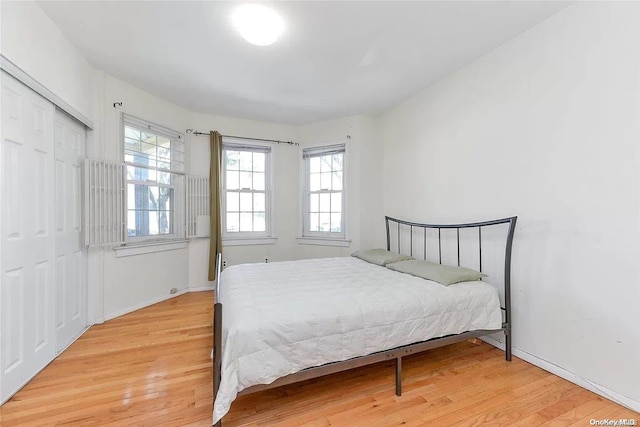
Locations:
column 246, row 198
column 324, row 192
column 154, row 159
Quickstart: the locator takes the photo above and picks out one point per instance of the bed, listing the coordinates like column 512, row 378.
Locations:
column 291, row 321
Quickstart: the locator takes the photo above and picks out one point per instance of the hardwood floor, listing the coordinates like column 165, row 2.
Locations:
column 152, row 368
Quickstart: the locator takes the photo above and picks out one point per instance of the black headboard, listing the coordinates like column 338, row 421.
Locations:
column 398, row 226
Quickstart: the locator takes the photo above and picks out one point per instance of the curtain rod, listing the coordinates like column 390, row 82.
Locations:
column 195, row 132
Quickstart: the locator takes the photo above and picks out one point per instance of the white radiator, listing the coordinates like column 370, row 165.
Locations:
column 104, row 203
column 198, row 206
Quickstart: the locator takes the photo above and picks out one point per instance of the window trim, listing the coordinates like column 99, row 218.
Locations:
column 152, row 240
column 320, row 237
column 267, row 236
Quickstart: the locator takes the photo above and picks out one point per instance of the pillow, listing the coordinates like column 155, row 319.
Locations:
column 380, row 256
column 444, row 274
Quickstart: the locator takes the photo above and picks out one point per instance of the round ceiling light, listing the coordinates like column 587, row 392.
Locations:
column 258, row 24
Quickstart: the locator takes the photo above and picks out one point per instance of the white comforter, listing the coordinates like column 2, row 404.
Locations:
column 280, row 318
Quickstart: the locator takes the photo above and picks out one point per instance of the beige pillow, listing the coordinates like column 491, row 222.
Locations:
column 380, row 256
column 444, row 274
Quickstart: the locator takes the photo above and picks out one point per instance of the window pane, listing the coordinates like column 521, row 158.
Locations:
column 337, row 181
column 314, row 220
column 233, row 201
column 131, row 144
column 164, row 149
column 314, row 200
column 164, row 222
column 152, row 193
column 325, row 199
column 233, row 180
column 325, row 222
column 246, row 164
column 131, row 172
column 164, row 154
column 164, row 165
column 325, row 181
column 259, row 223
column 259, row 202
column 314, row 164
column 131, row 133
column 336, row 202
column 246, row 222
column 153, row 223
column 258, row 181
column 148, row 138
column 336, row 160
column 325, row 163
column 148, row 149
column 164, row 198
column 245, row 202
column 164, row 177
column 233, row 222
column 259, row 162
column 245, row 180
column 233, row 160
column 336, row 222
column 131, row 224
column 314, row 182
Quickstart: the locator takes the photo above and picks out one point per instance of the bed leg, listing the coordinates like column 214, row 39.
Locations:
column 507, row 345
column 399, row 376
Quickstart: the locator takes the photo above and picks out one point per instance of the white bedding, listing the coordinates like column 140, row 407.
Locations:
column 280, row 318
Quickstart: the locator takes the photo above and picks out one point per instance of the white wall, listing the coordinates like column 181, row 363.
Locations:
column 34, row 43
column 545, row 127
column 131, row 281
column 365, row 201
column 285, row 190
column 364, row 179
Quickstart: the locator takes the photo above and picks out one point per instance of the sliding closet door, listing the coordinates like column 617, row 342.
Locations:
column 71, row 272
column 27, row 234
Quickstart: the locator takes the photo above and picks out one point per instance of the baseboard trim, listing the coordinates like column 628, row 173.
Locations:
column 569, row 376
column 147, row 303
column 201, row 288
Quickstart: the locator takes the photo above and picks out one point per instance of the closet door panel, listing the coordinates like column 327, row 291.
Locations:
column 71, row 277
column 27, row 255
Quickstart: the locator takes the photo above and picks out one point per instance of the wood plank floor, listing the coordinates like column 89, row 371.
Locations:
column 152, row 368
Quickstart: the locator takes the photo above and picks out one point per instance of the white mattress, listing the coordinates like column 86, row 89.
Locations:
column 280, row 318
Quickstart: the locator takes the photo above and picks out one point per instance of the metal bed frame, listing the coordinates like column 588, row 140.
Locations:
column 395, row 353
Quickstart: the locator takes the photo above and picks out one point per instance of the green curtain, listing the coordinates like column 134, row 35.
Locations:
column 215, row 243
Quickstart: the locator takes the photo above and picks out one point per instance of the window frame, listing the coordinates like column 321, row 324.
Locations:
column 318, row 151
column 177, row 204
column 255, row 237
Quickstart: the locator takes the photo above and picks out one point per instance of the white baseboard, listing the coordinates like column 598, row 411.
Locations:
column 201, row 288
column 569, row 376
column 147, row 303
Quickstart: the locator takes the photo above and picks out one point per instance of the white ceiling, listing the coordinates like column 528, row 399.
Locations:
column 336, row 58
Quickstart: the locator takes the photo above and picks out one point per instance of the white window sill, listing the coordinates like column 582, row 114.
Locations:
column 250, row 241
column 149, row 247
column 324, row 241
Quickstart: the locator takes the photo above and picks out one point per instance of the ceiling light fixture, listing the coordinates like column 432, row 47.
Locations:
column 257, row 24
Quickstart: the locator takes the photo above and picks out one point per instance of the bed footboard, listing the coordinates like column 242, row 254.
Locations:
column 217, row 351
